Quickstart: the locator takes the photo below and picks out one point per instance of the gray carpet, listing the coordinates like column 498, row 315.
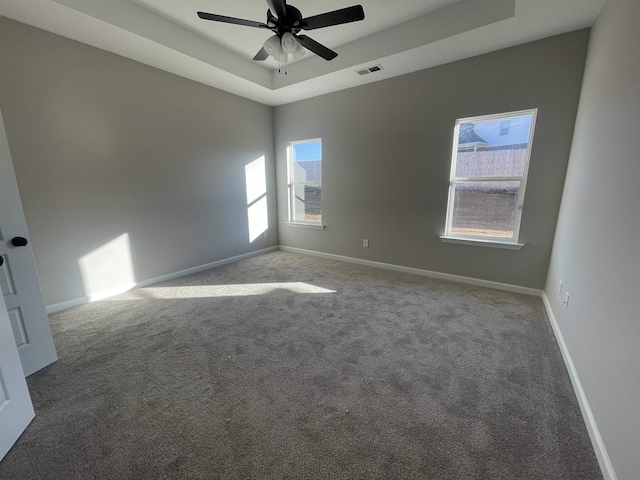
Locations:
column 286, row 366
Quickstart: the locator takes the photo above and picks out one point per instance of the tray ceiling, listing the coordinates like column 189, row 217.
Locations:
column 401, row 36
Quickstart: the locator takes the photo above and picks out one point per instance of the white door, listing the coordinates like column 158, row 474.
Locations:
column 18, row 276
column 16, row 411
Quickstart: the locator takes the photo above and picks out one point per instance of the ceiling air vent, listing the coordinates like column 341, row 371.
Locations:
column 373, row 69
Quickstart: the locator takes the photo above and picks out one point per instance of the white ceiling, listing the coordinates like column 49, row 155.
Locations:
column 403, row 36
column 246, row 42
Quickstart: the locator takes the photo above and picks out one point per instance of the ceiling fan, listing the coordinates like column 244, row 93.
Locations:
column 286, row 21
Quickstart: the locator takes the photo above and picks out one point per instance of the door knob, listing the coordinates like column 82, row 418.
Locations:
column 19, row 241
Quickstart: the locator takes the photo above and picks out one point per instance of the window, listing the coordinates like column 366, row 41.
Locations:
column 305, row 181
column 488, row 177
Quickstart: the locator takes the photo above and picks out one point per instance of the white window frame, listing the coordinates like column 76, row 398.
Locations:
column 291, row 185
column 500, row 242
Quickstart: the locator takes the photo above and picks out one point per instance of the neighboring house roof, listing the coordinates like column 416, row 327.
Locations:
column 469, row 136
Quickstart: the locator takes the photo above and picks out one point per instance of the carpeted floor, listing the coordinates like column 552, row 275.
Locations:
column 286, row 366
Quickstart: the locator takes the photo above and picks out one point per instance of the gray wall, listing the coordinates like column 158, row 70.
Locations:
column 387, row 153
column 103, row 146
column 595, row 252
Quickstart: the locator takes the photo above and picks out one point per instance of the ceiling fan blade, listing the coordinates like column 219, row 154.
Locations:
column 235, row 21
column 316, row 47
column 261, row 55
column 336, row 17
column 278, row 8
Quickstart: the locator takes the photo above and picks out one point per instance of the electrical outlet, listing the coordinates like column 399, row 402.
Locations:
column 566, row 300
column 560, row 288
column 365, row 242
column 264, row 234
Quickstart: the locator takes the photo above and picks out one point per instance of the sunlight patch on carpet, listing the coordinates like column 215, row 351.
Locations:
column 240, row 290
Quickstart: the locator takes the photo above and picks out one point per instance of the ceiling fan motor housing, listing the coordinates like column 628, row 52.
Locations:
column 292, row 23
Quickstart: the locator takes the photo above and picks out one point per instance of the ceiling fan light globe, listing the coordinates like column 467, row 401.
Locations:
column 273, row 48
column 272, row 45
column 299, row 52
column 288, row 43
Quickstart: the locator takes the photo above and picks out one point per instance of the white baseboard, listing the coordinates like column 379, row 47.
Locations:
column 206, row 266
column 594, row 433
column 74, row 302
column 417, row 271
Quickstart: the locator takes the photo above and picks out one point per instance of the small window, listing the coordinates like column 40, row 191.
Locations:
column 488, row 176
column 305, row 181
column 504, row 127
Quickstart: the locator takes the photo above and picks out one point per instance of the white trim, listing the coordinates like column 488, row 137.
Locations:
column 308, row 140
column 94, row 297
column 490, row 179
column 74, row 302
column 496, row 116
column 523, row 180
column 206, row 266
column 482, row 243
column 417, row 271
column 291, row 183
column 317, row 226
column 594, row 433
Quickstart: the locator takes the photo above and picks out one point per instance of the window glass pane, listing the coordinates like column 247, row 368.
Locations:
column 307, row 161
column 486, row 150
column 307, row 203
column 485, row 208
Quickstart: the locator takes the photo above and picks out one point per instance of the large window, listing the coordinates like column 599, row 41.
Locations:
column 305, row 181
column 488, row 176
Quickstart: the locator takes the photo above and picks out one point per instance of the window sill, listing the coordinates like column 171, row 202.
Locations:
column 482, row 243
column 315, row 226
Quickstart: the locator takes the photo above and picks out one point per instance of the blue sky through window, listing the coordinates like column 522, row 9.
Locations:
column 518, row 130
column 309, row 151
